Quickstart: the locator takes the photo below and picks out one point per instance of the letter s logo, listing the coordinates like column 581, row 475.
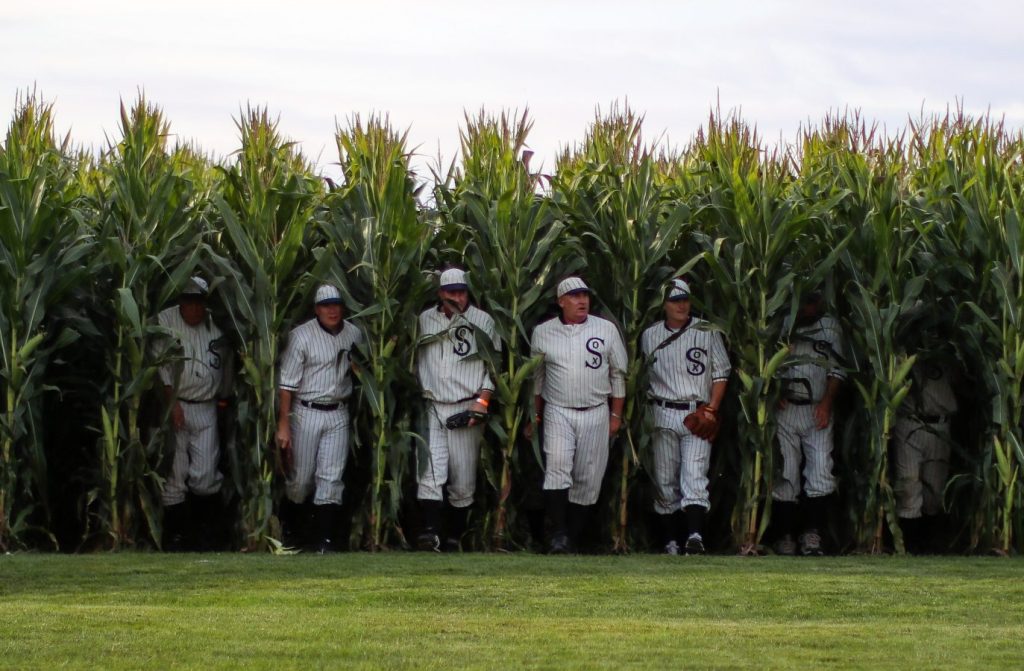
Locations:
column 696, row 361
column 596, row 358
column 461, row 345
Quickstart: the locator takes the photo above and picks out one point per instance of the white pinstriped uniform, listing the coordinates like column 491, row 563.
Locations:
column 583, row 365
column 682, row 371
column 818, row 347
column 196, row 379
column 316, row 368
column 923, row 441
column 451, row 375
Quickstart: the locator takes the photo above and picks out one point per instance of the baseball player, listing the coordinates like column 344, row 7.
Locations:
column 922, row 446
column 454, row 379
column 192, row 384
column 804, row 422
column 313, row 420
column 584, row 363
column 689, row 369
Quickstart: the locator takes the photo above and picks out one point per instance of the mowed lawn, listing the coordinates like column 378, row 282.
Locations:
column 490, row 611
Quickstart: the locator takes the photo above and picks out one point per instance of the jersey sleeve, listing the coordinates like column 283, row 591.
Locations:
column 618, row 360
column 720, row 365
column 837, row 353
column 291, row 364
column 645, row 343
column 538, row 372
column 487, row 326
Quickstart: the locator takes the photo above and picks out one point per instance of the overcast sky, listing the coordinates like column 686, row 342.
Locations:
column 312, row 62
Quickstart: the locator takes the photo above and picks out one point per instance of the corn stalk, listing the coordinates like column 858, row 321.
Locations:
column 609, row 192
column 41, row 252
column 265, row 204
column 382, row 245
column 514, row 251
column 147, row 217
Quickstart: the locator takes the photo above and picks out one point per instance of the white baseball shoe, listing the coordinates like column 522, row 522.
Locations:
column 810, row 544
column 672, row 548
column 694, row 545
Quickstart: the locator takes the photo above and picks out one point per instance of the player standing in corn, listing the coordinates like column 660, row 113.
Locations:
column 689, row 370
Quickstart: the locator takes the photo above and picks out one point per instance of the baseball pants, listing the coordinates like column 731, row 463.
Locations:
column 196, row 454
column 450, row 457
column 922, row 465
column 319, row 452
column 576, row 451
column 681, row 462
column 798, row 436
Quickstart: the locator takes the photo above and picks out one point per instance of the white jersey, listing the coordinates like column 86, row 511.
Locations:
column 687, row 367
column 199, row 375
column 583, row 364
column 818, row 346
column 446, row 361
column 316, row 365
column 932, row 392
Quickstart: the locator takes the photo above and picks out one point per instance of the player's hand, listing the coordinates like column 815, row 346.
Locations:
column 477, row 407
column 283, row 437
column 178, row 416
column 614, row 424
column 823, row 414
column 528, row 429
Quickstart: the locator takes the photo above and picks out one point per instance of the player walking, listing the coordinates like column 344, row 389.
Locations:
column 583, row 368
column 689, row 370
column 313, row 422
column 454, row 380
column 193, row 384
column 805, row 428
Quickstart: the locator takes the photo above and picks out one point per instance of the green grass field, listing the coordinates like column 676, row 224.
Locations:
column 508, row 611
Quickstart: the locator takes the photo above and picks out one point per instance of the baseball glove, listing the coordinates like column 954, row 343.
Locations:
column 703, row 423
column 461, row 419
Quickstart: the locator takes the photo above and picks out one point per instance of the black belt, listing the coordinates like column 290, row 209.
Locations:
column 672, row 405
column 799, row 401
column 932, row 419
column 590, row 407
column 327, row 407
column 196, row 401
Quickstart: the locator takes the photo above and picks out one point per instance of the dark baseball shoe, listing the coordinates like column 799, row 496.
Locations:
column 452, row 545
column 785, row 546
column 428, row 542
column 560, row 545
column 810, row 544
column 671, row 548
column 694, row 545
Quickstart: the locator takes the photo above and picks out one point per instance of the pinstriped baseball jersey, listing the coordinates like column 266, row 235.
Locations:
column 932, row 391
column 685, row 369
column 818, row 346
column 199, row 375
column 445, row 363
column 583, row 364
column 315, row 365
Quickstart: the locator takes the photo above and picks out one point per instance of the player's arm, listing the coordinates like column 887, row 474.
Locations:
column 538, row 388
column 618, row 405
column 717, row 394
column 721, row 368
column 177, row 412
column 823, row 411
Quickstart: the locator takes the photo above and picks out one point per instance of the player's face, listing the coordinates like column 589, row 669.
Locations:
column 677, row 312
column 575, row 307
column 810, row 307
column 193, row 310
column 458, row 298
column 329, row 315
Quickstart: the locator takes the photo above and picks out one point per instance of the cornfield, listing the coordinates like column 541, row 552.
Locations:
column 921, row 231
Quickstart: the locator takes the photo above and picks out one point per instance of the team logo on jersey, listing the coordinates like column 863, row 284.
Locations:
column 696, row 360
column 213, row 360
column 462, row 345
column 596, row 358
column 822, row 347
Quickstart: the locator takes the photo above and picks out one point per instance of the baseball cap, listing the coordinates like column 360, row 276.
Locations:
column 196, row 286
column 327, row 294
column 453, row 279
column 572, row 285
column 678, row 290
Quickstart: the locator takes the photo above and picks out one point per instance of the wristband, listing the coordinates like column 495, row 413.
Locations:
column 482, row 401
column 616, row 416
